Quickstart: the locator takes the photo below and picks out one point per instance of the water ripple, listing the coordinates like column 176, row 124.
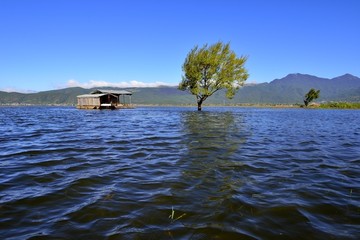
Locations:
column 175, row 173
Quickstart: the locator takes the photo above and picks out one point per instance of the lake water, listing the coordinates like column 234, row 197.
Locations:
column 175, row 173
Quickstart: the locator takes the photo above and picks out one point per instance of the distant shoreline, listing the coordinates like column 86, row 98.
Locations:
column 335, row 105
column 330, row 105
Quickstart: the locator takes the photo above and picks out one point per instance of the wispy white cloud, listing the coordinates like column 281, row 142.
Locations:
column 251, row 82
column 95, row 84
column 18, row 90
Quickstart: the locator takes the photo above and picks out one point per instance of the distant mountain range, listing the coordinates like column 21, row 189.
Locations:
column 288, row 90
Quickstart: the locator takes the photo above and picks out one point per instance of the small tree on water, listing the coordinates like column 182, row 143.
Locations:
column 211, row 68
column 311, row 95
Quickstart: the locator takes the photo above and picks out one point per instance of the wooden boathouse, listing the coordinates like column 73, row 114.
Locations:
column 105, row 99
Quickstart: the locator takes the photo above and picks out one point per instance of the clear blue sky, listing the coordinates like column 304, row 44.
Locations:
column 50, row 44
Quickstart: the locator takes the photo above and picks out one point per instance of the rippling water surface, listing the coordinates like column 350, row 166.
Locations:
column 175, row 173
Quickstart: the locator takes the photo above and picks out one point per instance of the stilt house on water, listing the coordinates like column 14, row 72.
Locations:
column 105, row 99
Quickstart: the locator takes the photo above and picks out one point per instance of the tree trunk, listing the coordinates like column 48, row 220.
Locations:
column 199, row 106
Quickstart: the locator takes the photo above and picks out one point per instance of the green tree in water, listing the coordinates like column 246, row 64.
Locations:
column 211, row 68
column 311, row 95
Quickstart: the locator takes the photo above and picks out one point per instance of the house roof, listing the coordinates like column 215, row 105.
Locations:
column 118, row 92
column 92, row 95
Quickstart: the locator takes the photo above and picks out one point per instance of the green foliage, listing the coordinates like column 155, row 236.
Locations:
column 211, row 68
column 311, row 95
column 341, row 105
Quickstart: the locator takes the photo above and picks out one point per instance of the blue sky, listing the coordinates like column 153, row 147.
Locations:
column 51, row 44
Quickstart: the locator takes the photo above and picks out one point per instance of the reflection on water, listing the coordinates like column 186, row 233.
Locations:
column 215, row 136
column 212, row 172
column 175, row 173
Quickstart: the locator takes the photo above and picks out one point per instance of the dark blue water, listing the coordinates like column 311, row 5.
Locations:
column 175, row 173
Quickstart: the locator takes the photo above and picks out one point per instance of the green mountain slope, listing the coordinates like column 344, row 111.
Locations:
column 287, row 90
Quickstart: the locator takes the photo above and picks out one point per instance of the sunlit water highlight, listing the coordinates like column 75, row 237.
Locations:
column 175, row 173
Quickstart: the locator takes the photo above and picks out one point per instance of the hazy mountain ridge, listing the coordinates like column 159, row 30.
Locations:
column 330, row 89
column 290, row 89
